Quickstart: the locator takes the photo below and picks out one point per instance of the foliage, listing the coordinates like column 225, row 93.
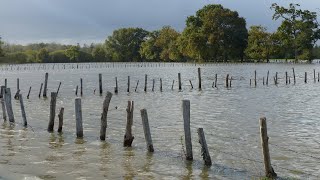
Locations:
column 124, row 44
column 148, row 50
column 214, row 33
column 1, row 50
column 58, row 57
column 43, row 55
column 73, row 52
column 99, row 53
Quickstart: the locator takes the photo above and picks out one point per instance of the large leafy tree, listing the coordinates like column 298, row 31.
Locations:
column 124, row 44
column 43, row 55
column 73, row 52
column 148, row 50
column 1, row 50
column 299, row 29
column 214, row 33
column 99, row 53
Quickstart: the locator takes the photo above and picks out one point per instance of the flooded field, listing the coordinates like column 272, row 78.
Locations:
column 230, row 118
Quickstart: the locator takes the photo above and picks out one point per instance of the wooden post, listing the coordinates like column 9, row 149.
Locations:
column 128, row 90
column 276, row 82
column 128, row 137
column 45, row 85
column 145, row 83
column 191, row 84
column 294, row 76
column 160, row 85
column 4, row 113
column 199, row 77
column 263, row 80
column 227, row 81
column 269, row 172
column 153, row 84
column 7, row 99
column 172, row 85
column 78, row 111
column 135, row 90
column 104, row 114
column 100, row 84
column 286, row 77
column 76, row 91
column 16, row 96
column 18, row 84
column 29, row 92
column 146, row 129
column 267, row 82
column 187, row 132
column 250, row 82
column 215, row 80
column 305, row 77
column 255, row 78
column 204, row 148
column 40, row 90
column 314, row 75
column 6, row 83
column 116, row 88
column 60, row 116
column 318, row 77
column 81, row 87
column 179, row 81
column 52, row 111
column 58, row 88
column 23, row 112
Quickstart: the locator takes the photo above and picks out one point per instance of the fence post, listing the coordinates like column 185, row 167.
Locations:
column 294, row 76
column 7, row 99
column 23, row 112
column 78, row 111
column 146, row 129
column 187, row 132
column 60, row 115
column 128, row 137
column 104, row 114
column 204, row 148
column 179, row 81
column 45, row 85
column 145, row 83
column 199, row 77
column 269, row 172
column 100, row 84
column 52, row 111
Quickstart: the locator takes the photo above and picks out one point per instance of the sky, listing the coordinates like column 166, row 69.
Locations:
column 87, row 21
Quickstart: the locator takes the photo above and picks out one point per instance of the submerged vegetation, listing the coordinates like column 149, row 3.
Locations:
column 213, row 34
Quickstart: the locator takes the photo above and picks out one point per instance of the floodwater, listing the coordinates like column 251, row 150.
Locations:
column 230, row 118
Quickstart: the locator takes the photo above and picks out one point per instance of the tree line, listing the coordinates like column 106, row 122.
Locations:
column 213, row 34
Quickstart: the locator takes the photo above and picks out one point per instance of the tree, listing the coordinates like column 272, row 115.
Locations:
column 99, row 53
column 1, row 50
column 261, row 44
column 73, row 52
column 124, row 44
column 214, row 33
column 299, row 29
column 59, row 56
column 31, row 56
column 43, row 55
column 148, row 50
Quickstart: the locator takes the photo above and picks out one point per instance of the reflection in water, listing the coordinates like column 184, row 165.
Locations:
column 105, row 157
column 205, row 173
column 128, row 157
column 189, row 168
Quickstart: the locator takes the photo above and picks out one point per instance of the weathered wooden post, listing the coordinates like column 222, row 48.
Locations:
column 145, row 83
column 128, row 137
column 60, row 116
column 187, row 132
column 227, row 81
column 16, row 96
column 199, row 77
column 263, row 80
column 215, row 80
column 172, row 85
column 6, row 82
column 135, row 90
column 204, row 148
column 29, row 92
column 160, row 85
column 305, row 77
column 128, row 90
column 52, row 111
column 4, row 113
column 40, row 90
column 23, row 112
column 255, row 78
column 76, row 91
column 179, row 81
column 269, row 172
column 314, row 75
column 100, row 84
column 318, row 77
column 153, row 85
column 146, row 129
column 294, row 76
column 276, row 82
column 250, row 82
column 286, row 77
column 78, row 111
column 116, row 88
column 7, row 99
column 45, row 85
column 191, row 84
column 104, row 114
column 267, row 81
column 18, row 84
column 81, row 87
column 58, row 88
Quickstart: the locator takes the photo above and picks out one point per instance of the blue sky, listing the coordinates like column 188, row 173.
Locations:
column 86, row 21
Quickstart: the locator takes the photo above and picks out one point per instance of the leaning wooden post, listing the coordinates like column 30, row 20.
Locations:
column 227, row 81
column 294, row 76
column 29, row 93
column 58, row 88
column 128, row 137
column 45, row 85
column 135, row 90
column 128, row 90
column 160, row 85
column 191, row 84
column 172, row 85
column 100, row 84
column 40, row 90
column 52, row 111
column 255, row 78
column 145, row 83
column 116, row 88
column 187, row 132
column 78, row 111
column 7, row 98
column 269, row 172
column 23, row 112
column 60, row 116
column 4, row 113
column 104, row 114
column 179, row 81
column 267, row 81
column 146, row 129
column 305, row 77
column 81, row 87
column 204, row 148
column 199, row 77
column 76, row 91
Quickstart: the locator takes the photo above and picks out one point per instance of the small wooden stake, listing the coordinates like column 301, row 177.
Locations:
column 191, row 84
column 18, row 84
column 135, row 90
column 255, row 78
column 204, row 148
column 81, row 87
column 294, row 76
column 146, row 129
column 104, row 114
column 179, row 81
column 227, row 81
column 160, row 85
column 78, row 111
column 215, row 80
column 267, row 82
column 58, row 88
column 100, row 84
column 7, row 99
column 23, row 112
column 153, row 84
column 199, row 77
column 60, row 116
column 305, row 77
column 29, row 93
column 45, row 85
column 172, row 85
column 52, row 111
column 128, row 90
column 40, row 90
column 286, row 77
column 116, row 88
column 145, row 83
column 269, row 172
column 314, row 75
column 128, row 137
column 187, row 132
column 4, row 113
column 76, row 91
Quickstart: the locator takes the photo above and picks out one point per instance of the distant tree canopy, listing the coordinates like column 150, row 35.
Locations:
column 213, row 34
